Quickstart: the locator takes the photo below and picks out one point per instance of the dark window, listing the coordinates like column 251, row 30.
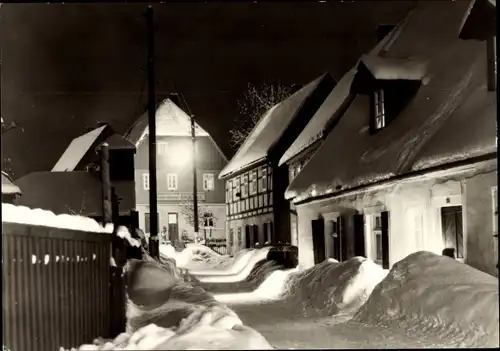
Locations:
column 147, row 222
column 378, row 109
column 491, row 53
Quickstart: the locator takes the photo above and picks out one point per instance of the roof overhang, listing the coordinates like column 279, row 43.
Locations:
column 8, row 186
column 480, row 21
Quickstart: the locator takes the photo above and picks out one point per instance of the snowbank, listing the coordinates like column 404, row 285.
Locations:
column 233, row 266
column 271, row 289
column 256, row 257
column 331, row 287
column 195, row 256
column 257, row 276
column 39, row 217
column 430, row 294
column 165, row 313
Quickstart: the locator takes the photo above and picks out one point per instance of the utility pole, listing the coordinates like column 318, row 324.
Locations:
column 107, row 215
column 195, row 187
column 153, row 205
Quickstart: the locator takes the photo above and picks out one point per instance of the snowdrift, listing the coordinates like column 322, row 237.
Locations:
column 256, row 256
column 261, row 271
column 195, row 256
column 271, row 289
column 233, row 266
column 331, row 287
column 164, row 312
column 430, row 294
column 39, row 217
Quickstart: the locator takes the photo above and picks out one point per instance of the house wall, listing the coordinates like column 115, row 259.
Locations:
column 480, row 239
column 177, row 160
column 218, row 211
column 414, row 217
column 234, row 225
column 209, row 160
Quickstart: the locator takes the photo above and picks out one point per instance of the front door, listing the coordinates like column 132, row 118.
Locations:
column 318, row 234
column 173, row 227
column 248, row 240
column 451, row 221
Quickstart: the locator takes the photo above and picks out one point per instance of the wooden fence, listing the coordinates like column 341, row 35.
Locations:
column 218, row 245
column 56, row 288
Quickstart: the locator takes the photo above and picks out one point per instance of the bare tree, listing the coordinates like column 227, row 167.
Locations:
column 255, row 102
column 187, row 210
column 80, row 211
column 7, row 162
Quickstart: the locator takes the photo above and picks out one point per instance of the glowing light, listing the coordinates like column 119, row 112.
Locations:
column 180, row 155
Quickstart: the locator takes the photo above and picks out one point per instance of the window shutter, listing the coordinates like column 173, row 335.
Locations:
column 342, row 238
column 359, row 235
column 385, row 239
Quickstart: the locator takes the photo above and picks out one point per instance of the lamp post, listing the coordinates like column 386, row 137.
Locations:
column 195, row 186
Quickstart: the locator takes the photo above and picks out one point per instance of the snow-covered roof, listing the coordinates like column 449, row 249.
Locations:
column 171, row 120
column 76, row 150
column 79, row 147
column 328, row 112
column 383, row 68
column 480, row 18
column 270, row 129
column 351, row 156
column 8, row 186
column 81, row 191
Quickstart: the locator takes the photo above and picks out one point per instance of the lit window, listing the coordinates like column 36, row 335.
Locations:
column 162, row 147
column 145, row 181
column 208, row 181
column 172, row 181
column 378, row 109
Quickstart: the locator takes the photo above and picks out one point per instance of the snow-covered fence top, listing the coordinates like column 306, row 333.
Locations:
column 39, row 217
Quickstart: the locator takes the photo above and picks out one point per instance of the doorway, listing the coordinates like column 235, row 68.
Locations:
column 318, row 234
column 452, row 227
column 173, row 226
column 248, row 240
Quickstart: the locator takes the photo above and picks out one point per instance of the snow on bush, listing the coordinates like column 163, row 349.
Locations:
column 124, row 233
column 39, row 217
column 427, row 293
column 258, row 256
column 331, row 287
column 165, row 313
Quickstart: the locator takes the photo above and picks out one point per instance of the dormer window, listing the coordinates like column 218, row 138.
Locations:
column 378, row 117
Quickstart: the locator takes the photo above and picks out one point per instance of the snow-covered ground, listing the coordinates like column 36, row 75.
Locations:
column 425, row 300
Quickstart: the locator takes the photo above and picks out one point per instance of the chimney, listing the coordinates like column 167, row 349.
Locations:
column 383, row 30
column 295, row 88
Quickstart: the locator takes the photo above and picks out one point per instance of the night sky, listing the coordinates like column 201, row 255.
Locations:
column 67, row 66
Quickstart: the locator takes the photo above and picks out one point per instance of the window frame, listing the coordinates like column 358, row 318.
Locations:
column 145, row 181
column 208, row 179
column 379, row 114
column 169, row 177
column 162, row 147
